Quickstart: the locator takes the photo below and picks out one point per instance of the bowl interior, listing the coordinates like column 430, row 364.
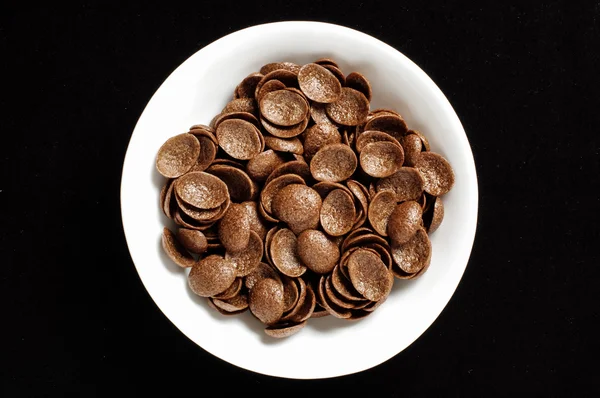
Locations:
column 326, row 347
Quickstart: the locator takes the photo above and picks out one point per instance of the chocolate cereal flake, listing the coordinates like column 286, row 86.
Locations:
column 283, row 107
column 337, row 213
column 239, row 184
column 319, row 135
column 404, row 222
column 274, row 186
column 234, row 228
column 176, row 250
column 263, row 164
column 284, row 330
column 317, row 251
column 288, row 78
column 247, row 259
column 291, row 145
column 380, row 209
column 334, row 163
column 326, row 61
column 177, row 155
column 381, row 159
column 406, row 183
column 262, row 271
column 211, row 276
column 245, row 116
column 412, row 146
column 284, row 132
column 239, row 139
column 231, row 291
column 192, row 240
column 235, row 304
column 304, row 310
column 360, row 83
column 257, row 224
column 319, row 84
column 298, row 206
column 331, row 307
column 350, row 109
column 208, row 152
column 290, row 293
column 392, row 124
column 289, row 66
column 247, row 87
column 371, row 136
column 201, row 190
column 247, row 105
column 424, row 139
column 337, row 73
column 369, row 276
column 318, row 113
column 413, row 255
column 437, row 173
column 271, row 85
column 284, row 253
column 266, row 300
column 297, row 167
column 200, row 215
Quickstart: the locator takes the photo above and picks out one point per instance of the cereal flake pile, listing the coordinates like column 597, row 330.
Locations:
column 298, row 201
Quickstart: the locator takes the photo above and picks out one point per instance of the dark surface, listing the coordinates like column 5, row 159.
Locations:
column 524, row 82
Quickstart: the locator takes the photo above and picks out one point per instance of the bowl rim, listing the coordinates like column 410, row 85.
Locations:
column 473, row 181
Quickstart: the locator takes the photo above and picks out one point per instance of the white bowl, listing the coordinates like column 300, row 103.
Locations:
column 326, row 347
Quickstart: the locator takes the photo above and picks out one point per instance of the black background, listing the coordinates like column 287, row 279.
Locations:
column 522, row 78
